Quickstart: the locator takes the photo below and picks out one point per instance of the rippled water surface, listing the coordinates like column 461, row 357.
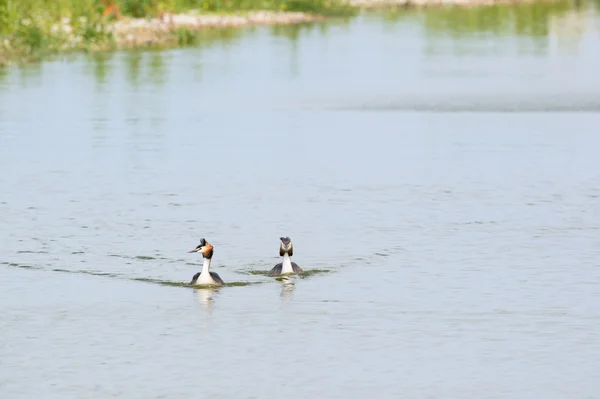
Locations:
column 437, row 171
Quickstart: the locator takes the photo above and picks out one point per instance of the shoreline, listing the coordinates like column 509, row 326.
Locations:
column 143, row 32
column 180, row 29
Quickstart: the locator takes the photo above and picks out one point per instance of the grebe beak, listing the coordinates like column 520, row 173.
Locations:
column 193, row 250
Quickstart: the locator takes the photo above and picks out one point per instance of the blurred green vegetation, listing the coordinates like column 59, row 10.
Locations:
column 321, row 7
column 33, row 28
column 143, row 8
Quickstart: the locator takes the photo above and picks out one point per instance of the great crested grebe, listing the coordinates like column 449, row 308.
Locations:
column 286, row 249
column 205, row 277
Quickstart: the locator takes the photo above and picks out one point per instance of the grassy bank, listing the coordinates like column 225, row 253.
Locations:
column 30, row 29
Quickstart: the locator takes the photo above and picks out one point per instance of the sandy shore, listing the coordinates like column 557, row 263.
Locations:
column 132, row 32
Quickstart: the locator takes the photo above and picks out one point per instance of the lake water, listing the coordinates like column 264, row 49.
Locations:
column 439, row 168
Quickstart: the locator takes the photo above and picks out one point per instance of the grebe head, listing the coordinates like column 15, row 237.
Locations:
column 286, row 246
column 204, row 248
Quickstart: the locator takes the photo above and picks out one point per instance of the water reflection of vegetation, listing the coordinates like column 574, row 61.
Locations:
column 525, row 19
column 531, row 19
column 224, row 36
column 151, row 63
column 292, row 32
column 134, row 62
column 157, row 68
column 101, row 63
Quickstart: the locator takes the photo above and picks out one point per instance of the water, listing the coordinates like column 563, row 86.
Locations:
column 440, row 168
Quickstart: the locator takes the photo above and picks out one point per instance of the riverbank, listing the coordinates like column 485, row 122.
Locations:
column 34, row 38
column 172, row 29
column 30, row 36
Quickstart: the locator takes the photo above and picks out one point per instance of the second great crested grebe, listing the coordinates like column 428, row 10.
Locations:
column 205, row 277
column 286, row 250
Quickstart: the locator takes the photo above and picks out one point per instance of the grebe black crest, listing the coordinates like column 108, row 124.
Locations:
column 286, row 250
column 205, row 277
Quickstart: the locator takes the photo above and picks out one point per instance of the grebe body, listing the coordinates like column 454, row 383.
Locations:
column 286, row 251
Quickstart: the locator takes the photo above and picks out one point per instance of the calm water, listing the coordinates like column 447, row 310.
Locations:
column 440, row 167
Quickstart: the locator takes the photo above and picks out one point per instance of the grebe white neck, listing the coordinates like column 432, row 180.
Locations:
column 206, row 266
column 286, row 266
column 205, row 277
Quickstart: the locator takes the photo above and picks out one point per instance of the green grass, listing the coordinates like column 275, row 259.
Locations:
column 142, row 8
column 30, row 29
